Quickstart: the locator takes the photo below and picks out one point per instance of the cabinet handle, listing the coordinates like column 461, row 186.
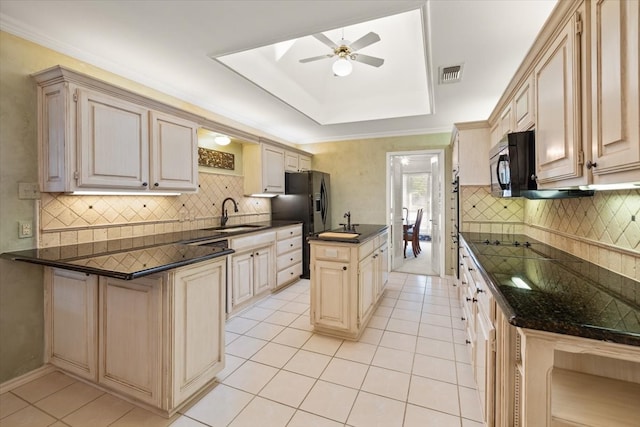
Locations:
column 474, row 300
column 291, row 232
column 156, row 185
column 479, row 290
column 265, row 190
column 464, row 256
column 291, row 245
column 470, row 269
column 467, row 341
column 468, row 299
column 252, row 257
column 290, row 259
column 463, row 318
column 291, row 273
column 257, row 253
column 344, row 268
column 591, row 164
column 144, row 184
column 464, row 283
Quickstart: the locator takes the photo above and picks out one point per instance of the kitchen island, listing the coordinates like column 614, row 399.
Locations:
column 554, row 339
column 349, row 270
column 142, row 318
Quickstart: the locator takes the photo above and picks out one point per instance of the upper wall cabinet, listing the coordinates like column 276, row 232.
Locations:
column 263, row 169
column 94, row 136
column 296, row 162
column 472, row 142
column 557, row 76
column 615, row 122
column 524, row 106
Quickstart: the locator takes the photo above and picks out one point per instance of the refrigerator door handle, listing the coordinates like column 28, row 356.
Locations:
column 323, row 202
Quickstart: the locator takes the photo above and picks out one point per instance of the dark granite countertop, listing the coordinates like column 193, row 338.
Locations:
column 135, row 257
column 364, row 231
column 540, row 287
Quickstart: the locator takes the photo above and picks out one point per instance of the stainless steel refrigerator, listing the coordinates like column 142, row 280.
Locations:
column 306, row 199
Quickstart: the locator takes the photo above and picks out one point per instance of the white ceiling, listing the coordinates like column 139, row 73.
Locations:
column 168, row 46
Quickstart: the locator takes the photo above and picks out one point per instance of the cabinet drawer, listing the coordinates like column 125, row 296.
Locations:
column 286, row 232
column 332, row 253
column 289, row 274
column 288, row 245
column 285, row 260
column 366, row 248
column 253, row 240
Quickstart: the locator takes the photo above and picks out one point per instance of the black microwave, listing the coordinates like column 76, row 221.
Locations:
column 512, row 163
column 513, row 170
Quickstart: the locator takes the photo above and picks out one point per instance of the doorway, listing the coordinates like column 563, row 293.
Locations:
column 414, row 182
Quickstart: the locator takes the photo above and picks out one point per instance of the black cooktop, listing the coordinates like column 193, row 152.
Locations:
column 542, row 287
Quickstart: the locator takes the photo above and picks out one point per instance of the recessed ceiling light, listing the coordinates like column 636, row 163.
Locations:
column 222, row 140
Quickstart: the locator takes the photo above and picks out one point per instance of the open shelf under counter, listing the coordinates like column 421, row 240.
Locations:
column 580, row 399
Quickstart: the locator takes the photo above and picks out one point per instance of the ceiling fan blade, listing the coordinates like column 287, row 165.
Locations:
column 364, row 41
column 326, row 40
column 369, row 60
column 316, row 58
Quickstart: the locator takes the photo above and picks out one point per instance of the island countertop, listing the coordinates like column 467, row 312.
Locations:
column 134, row 257
column 564, row 294
column 364, row 232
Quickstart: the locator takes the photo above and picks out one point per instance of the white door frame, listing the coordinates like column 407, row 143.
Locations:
column 439, row 245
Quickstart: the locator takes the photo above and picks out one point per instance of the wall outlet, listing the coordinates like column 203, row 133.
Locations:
column 25, row 229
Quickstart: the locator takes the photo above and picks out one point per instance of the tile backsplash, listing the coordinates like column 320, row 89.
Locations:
column 603, row 229
column 66, row 219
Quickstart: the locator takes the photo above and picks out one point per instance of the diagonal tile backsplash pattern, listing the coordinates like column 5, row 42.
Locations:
column 66, row 219
column 603, row 229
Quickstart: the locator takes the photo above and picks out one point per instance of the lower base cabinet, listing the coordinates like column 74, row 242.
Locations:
column 347, row 281
column 158, row 340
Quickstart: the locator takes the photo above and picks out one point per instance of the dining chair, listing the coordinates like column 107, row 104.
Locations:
column 412, row 234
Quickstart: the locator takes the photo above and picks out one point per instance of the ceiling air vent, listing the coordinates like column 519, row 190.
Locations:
column 452, row 74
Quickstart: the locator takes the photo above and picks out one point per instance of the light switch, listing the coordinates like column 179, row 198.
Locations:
column 25, row 229
column 28, row 191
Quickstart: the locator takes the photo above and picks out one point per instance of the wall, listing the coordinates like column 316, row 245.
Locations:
column 74, row 219
column 358, row 176
column 599, row 229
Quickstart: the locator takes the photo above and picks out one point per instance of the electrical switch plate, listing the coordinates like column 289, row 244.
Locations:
column 28, row 191
column 25, row 229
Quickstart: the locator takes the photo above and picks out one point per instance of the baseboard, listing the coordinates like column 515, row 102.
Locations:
column 29, row 376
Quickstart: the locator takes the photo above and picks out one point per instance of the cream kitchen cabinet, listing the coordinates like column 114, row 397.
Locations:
column 473, row 140
column 524, row 106
column 94, row 136
column 347, row 282
column 289, row 255
column 615, row 122
column 71, row 321
column 264, row 166
column 252, row 268
column 478, row 308
column 296, row 162
column 158, row 340
column 557, row 86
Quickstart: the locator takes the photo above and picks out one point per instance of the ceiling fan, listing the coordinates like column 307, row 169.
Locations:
column 346, row 51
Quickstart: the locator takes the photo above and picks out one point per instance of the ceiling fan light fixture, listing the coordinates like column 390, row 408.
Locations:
column 342, row 67
column 222, row 140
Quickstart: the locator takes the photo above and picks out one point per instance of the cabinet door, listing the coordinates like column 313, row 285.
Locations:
column 241, row 278
column 484, row 365
column 616, row 111
column 523, row 107
column 383, row 262
column 272, row 169
column 367, row 286
column 263, row 261
column 304, row 163
column 71, row 321
column 557, row 87
column 330, row 288
column 198, row 326
column 113, row 142
column 291, row 162
column 130, row 342
column 174, row 153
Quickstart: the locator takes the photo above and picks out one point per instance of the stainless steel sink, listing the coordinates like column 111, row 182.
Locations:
column 233, row 229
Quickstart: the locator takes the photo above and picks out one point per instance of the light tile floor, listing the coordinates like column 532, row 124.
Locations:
column 410, row 368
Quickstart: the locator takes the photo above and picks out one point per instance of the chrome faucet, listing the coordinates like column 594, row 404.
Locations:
column 225, row 216
column 348, row 226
